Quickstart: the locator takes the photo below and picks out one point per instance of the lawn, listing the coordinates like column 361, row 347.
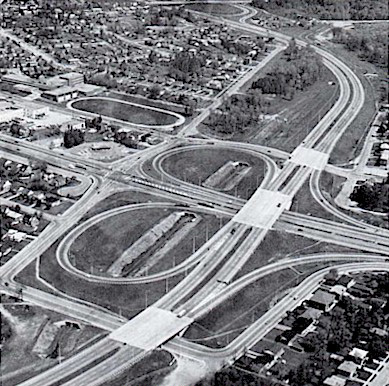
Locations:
column 350, row 144
column 124, row 111
column 196, row 165
column 120, row 298
column 148, row 372
column 241, row 310
column 288, row 245
column 102, row 244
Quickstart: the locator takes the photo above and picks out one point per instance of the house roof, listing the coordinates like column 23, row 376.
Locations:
column 345, row 280
column 323, row 297
column 338, row 289
column 334, row 380
column 358, row 353
column 311, row 313
column 348, row 367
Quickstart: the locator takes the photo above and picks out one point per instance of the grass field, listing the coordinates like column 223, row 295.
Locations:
column 288, row 245
column 126, row 299
column 302, row 113
column 237, row 313
column 124, row 111
column 195, row 166
column 305, row 203
column 98, row 247
column 350, row 144
column 148, row 372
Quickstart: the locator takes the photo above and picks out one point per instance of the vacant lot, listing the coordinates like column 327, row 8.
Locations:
column 124, row 111
column 196, row 165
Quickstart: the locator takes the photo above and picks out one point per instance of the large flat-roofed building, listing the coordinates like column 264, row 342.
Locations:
column 73, row 78
column 61, row 94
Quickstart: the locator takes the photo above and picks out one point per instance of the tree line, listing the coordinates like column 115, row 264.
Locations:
column 328, row 9
column 302, row 68
column 373, row 197
column 368, row 42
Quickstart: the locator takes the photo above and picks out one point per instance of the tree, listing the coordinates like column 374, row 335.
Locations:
column 73, row 137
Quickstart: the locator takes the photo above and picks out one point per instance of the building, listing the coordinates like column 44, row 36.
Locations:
column 358, row 356
column 334, row 380
column 9, row 112
column 73, row 125
column 322, row 300
column 346, row 281
column 338, row 290
column 36, row 113
column 73, row 78
column 61, row 94
column 347, row 369
column 86, row 90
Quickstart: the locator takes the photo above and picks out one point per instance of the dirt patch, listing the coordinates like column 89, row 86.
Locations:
column 150, row 240
column 228, row 176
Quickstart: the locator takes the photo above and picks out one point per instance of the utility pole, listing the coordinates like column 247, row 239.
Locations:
column 167, row 285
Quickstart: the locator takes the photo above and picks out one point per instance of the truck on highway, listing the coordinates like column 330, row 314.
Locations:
column 181, row 313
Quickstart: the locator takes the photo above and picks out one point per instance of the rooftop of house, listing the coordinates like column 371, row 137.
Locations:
column 345, row 280
column 323, row 297
column 334, row 380
column 358, row 353
column 348, row 367
column 311, row 313
column 338, row 289
column 379, row 331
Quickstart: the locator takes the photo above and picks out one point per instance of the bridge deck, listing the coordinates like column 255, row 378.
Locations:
column 263, row 209
column 150, row 328
column 309, row 157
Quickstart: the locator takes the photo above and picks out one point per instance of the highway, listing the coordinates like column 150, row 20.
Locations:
column 231, row 247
